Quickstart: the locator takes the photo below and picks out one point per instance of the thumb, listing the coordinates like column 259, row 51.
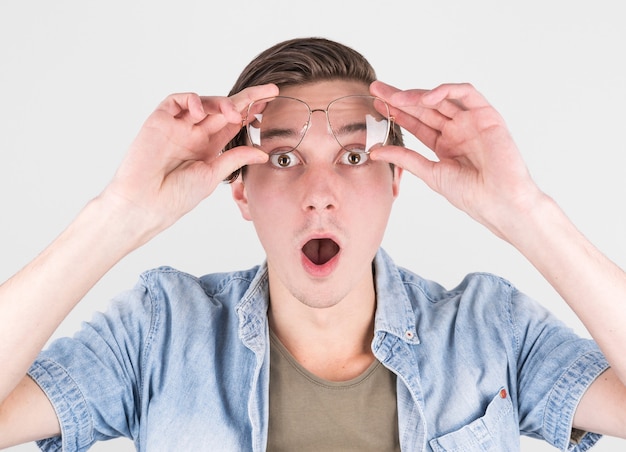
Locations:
column 411, row 161
column 230, row 161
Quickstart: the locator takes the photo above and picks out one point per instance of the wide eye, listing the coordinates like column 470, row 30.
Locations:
column 284, row 159
column 354, row 157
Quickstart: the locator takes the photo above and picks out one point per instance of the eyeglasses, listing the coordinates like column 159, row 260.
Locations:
column 359, row 123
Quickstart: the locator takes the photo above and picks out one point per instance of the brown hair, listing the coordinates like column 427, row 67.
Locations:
column 299, row 61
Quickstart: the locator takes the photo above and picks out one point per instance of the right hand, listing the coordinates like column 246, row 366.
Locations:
column 173, row 163
column 176, row 161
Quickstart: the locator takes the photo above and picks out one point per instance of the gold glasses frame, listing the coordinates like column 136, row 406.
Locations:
column 249, row 118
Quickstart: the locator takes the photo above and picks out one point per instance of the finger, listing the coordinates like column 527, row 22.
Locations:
column 415, row 126
column 462, row 94
column 198, row 108
column 220, row 105
column 410, row 102
column 224, row 110
column 382, row 90
column 183, row 103
column 396, row 96
column 407, row 159
column 414, row 98
column 222, row 137
column 449, row 108
column 246, row 96
column 221, row 114
column 228, row 162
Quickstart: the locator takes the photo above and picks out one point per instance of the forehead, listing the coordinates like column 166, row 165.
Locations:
column 320, row 94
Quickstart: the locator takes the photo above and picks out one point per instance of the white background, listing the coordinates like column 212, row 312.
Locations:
column 77, row 79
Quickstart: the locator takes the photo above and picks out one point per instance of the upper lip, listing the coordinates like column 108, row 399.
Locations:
column 319, row 236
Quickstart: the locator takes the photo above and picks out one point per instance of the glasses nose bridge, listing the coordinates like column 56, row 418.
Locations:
column 321, row 110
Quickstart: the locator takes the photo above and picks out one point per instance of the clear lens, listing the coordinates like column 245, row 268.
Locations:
column 357, row 122
column 278, row 124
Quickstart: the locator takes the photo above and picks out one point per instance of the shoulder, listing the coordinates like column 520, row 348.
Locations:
column 167, row 281
column 475, row 287
column 483, row 305
column 166, row 292
column 396, row 281
column 478, row 299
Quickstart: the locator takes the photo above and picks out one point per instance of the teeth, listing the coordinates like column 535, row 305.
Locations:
column 320, row 251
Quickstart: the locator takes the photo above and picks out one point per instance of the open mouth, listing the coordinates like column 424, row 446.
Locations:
column 320, row 251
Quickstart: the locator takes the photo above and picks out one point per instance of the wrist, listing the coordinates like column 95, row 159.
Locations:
column 539, row 229
column 113, row 225
column 513, row 218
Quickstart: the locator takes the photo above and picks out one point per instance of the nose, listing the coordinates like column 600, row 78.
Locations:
column 320, row 189
column 320, row 181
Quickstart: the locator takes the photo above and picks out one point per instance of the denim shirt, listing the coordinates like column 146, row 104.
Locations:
column 182, row 363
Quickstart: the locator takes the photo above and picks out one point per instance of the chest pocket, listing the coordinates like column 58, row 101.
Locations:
column 497, row 430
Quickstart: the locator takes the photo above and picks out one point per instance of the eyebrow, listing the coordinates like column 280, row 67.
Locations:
column 350, row 128
column 279, row 133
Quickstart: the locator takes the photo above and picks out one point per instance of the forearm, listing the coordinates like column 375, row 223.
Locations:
column 36, row 300
column 592, row 285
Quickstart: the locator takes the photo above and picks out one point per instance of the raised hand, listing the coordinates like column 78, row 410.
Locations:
column 479, row 167
column 174, row 163
column 176, row 160
column 480, row 170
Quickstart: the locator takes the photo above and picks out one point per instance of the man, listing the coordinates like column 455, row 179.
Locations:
column 328, row 345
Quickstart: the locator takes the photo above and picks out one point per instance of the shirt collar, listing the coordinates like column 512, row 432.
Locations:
column 394, row 311
column 252, row 310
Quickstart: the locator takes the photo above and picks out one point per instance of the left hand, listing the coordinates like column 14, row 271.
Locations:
column 480, row 169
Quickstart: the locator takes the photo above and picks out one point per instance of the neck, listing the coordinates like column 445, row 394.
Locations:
column 333, row 342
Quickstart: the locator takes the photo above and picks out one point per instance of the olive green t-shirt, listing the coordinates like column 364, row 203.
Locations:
column 308, row 413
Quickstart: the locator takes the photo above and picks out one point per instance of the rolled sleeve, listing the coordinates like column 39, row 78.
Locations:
column 69, row 404
column 564, row 398
column 93, row 379
column 556, row 367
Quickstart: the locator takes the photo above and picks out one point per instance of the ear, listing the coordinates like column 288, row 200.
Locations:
column 240, row 196
column 395, row 183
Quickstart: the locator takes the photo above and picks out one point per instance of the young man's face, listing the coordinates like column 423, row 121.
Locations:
column 319, row 211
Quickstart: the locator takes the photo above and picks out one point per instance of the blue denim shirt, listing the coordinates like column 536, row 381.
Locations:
column 182, row 363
